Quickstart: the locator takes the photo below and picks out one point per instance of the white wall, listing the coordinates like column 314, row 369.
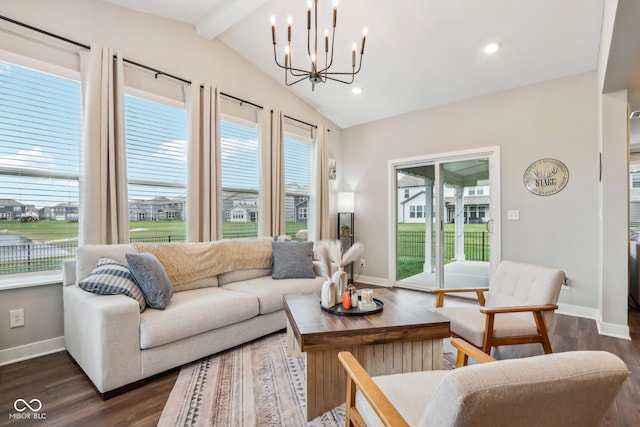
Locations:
column 159, row 43
column 556, row 119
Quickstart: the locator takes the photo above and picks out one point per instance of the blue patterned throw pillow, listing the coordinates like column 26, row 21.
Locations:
column 112, row 278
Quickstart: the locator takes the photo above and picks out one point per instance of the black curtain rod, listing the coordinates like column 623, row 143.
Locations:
column 38, row 30
column 242, row 101
column 156, row 71
column 300, row 121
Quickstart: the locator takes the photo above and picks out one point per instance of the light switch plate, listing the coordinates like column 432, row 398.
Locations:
column 513, row 215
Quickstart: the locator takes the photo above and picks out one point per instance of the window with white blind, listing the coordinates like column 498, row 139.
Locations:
column 240, row 167
column 40, row 132
column 299, row 186
column 156, row 134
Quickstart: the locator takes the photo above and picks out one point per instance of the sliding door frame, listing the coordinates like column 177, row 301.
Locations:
column 492, row 153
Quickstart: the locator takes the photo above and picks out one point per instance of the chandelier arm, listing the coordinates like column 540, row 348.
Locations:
column 342, row 81
column 297, row 71
column 291, row 84
column 275, row 57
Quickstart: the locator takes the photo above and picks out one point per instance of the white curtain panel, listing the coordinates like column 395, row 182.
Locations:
column 277, row 174
column 204, row 189
column 264, row 218
column 321, row 174
column 104, row 217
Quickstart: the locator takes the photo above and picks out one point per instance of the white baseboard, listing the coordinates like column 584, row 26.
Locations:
column 373, row 281
column 578, row 311
column 29, row 351
column 607, row 329
column 613, row 330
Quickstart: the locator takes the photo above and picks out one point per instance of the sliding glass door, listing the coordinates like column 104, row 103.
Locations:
column 443, row 221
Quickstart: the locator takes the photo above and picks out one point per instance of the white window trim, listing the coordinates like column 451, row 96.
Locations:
column 44, row 67
column 150, row 96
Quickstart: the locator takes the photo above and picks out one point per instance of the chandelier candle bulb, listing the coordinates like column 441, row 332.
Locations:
column 326, row 40
column 289, row 21
column 309, row 15
column 353, row 56
column 335, row 13
column 273, row 29
column 364, row 38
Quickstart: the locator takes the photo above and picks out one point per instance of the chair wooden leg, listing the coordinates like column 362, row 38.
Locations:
column 542, row 331
column 488, row 333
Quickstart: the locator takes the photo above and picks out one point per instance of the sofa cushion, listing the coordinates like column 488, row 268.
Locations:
column 194, row 312
column 292, row 260
column 112, row 278
column 152, row 279
column 240, row 275
column 196, row 284
column 270, row 292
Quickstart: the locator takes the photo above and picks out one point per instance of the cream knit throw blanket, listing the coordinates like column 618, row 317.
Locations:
column 187, row 262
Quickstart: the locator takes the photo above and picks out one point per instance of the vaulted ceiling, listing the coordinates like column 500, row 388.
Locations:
column 419, row 53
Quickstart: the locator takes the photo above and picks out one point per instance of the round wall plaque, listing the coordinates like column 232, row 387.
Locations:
column 545, row 177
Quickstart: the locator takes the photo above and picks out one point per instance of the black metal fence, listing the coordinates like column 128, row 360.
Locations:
column 411, row 244
column 29, row 257
column 49, row 256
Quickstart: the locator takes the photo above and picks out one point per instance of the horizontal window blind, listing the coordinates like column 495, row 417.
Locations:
column 40, row 132
column 299, row 186
column 156, row 136
column 240, row 170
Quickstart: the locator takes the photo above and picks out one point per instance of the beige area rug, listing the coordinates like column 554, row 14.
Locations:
column 255, row 384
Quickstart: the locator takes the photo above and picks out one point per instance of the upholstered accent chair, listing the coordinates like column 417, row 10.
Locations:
column 563, row 389
column 518, row 308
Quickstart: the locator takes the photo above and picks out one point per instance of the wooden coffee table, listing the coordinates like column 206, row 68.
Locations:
column 404, row 337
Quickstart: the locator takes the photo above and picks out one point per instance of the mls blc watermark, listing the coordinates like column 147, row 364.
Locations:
column 30, row 410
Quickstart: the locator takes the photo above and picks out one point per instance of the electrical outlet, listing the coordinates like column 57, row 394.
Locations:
column 16, row 318
column 362, row 262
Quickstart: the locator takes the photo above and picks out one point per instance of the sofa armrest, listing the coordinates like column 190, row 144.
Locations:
column 102, row 333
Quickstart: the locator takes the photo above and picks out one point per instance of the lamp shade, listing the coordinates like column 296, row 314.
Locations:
column 346, row 201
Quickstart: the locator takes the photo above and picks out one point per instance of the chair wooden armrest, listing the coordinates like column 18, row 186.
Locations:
column 441, row 292
column 358, row 379
column 518, row 309
column 466, row 351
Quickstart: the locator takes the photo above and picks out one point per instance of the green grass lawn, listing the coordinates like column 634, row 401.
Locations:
column 47, row 230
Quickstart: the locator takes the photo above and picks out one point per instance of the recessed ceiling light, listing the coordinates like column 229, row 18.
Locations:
column 356, row 90
column 491, row 48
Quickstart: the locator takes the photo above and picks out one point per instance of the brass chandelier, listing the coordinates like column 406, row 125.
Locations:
column 315, row 74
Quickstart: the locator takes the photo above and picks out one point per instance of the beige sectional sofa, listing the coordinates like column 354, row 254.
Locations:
column 117, row 345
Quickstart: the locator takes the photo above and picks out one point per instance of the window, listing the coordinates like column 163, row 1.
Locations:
column 416, row 211
column 299, row 187
column 40, row 130
column 156, row 134
column 240, row 164
column 406, row 193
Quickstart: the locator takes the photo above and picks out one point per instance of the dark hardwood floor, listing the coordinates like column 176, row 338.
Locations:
column 68, row 399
